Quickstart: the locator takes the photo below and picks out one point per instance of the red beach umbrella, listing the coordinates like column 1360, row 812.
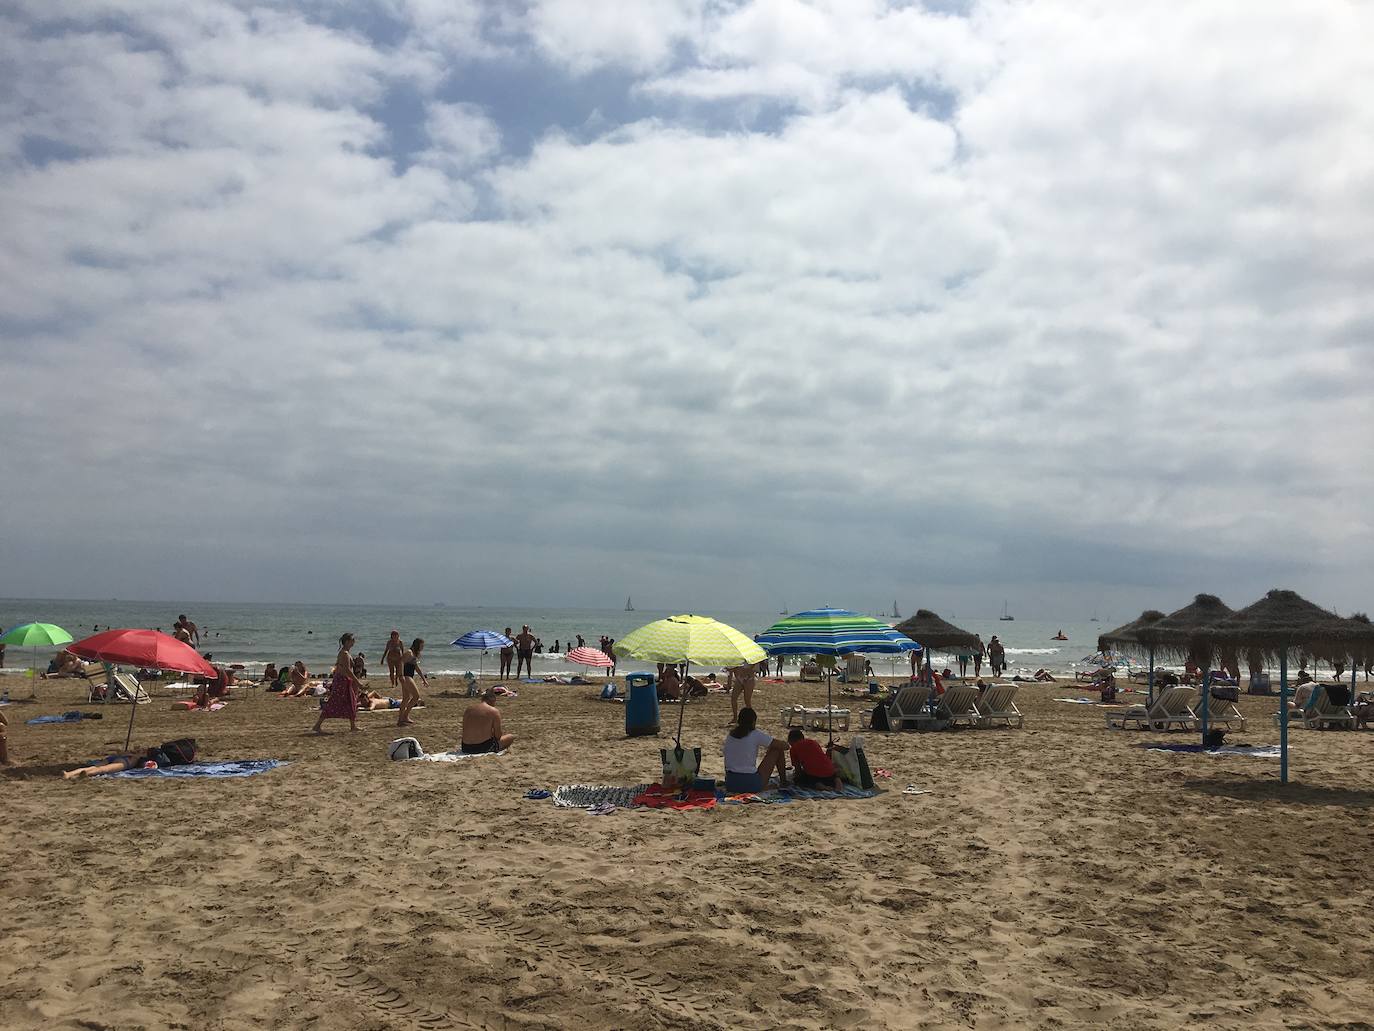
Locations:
column 150, row 648
column 589, row 656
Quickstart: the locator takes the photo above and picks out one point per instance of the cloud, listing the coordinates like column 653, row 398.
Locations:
column 994, row 298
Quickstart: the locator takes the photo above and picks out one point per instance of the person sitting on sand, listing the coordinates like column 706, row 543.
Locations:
column 743, row 771
column 695, row 688
column 811, row 766
column 669, row 686
column 299, row 680
column 482, row 726
column 5, row 759
column 65, row 664
column 269, row 673
column 360, row 665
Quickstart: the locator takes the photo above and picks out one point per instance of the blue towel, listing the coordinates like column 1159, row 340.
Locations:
column 66, row 717
column 236, row 768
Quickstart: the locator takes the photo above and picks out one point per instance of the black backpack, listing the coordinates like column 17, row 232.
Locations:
column 178, row 752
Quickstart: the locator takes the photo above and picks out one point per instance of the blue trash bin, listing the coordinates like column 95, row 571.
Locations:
column 641, row 705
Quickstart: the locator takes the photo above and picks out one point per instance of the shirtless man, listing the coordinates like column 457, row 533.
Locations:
column 482, row 726
column 524, row 651
column 184, row 630
column 741, row 683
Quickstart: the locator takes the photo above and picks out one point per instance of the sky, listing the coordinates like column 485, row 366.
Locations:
column 712, row 302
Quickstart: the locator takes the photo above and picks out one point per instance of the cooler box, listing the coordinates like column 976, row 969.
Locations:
column 641, row 705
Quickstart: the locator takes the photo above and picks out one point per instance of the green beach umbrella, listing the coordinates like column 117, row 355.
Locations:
column 35, row 636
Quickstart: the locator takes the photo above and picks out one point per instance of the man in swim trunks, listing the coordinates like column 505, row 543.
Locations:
column 482, row 726
column 524, row 651
column 184, row 630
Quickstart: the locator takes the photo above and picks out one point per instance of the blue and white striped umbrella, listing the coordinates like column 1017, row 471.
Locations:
column 833, row 632
column 483, row 639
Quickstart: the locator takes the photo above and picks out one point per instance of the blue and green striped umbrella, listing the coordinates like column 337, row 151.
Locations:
column 833, row 632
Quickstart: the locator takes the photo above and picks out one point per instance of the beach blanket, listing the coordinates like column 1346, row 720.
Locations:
column 67, row 717
column 1080, row 701
column 232, row 768
column 451, row 757
column 1258, row 751
column 590, row 796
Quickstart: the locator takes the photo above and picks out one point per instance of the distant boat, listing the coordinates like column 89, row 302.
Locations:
column 1093, row 618
column 1005, row 616
column 784, row 611
column 895, row 613
column 628, row 606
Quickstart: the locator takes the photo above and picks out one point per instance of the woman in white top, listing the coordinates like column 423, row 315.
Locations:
column 743, row 770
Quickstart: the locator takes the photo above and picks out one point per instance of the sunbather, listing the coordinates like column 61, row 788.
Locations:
column 482, row 731
column 64, row 664
column 299, row 678
column 371, row 700
column 743, row 769
column 669, row 686
column 811, row 766
column 121, row 762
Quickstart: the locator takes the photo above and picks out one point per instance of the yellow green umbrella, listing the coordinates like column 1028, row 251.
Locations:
column 698, row 639
column 35, row 636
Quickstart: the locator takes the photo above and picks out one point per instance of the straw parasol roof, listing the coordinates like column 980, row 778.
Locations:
column 931, row 631
column 1186, row 633
column 1284, row 619
column 1125, row 636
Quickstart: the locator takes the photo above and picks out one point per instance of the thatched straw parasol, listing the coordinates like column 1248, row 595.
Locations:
column 1284, row 620
column 930, row 631
column 1125, row 636
column 1186, row 633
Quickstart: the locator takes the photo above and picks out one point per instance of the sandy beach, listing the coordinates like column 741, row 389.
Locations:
column 1057, row 876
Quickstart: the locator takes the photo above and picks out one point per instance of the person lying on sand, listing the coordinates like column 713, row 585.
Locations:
column 64, row 664
column 482, row 730
column 370, row 700
column 124, row 761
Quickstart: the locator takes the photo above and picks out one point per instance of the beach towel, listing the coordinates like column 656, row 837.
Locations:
column 1257, row 751
column 1080, row 701
column 589, row 796
column 232, row 768
column 67, row 717
column 657, row 797
column 452, row 757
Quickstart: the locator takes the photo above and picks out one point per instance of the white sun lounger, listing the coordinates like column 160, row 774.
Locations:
column 1225, row 713
column 814, row 719
column 910, row 706
column 998, row 704
column 958, row 705
column 1316, row 710
column 1172, row 706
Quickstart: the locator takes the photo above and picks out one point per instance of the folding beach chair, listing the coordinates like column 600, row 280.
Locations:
column 124, row 688
column 998, row 704
column 1172, row 705
column 97, row 683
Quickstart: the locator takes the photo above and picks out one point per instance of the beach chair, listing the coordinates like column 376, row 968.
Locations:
column 853, row 672
column 958, row 705
column 1172, row 705
column 811, row 671
column 814, row 719
column 124, row 688
column 910, row 705
column 97, row 683
column 1317, row 711
column 998, row 704
column 1224, row 711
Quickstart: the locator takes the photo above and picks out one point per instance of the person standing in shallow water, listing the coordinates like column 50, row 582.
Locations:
column 344, row 690
column 507, row 655
column 391, row 655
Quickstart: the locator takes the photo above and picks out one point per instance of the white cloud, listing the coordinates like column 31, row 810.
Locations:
column 1110, row 302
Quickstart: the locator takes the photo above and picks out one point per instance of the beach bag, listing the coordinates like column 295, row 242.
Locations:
column 178, row 752
column 681, row 764
column 1226, row 694
column 852, row 764
column 404, row 748
column 1216, row 737
column 879, row 720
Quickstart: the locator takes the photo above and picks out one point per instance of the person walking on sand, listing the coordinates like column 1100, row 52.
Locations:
column 742, row 682
column 978, row 660
column 524, row 651
column 997, row 656
column 391, row 655
column 507, row 655
column 410, row 669
column 482, row 726
column 344, row 689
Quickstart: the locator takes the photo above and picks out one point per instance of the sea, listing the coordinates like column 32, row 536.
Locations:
column 257, row 633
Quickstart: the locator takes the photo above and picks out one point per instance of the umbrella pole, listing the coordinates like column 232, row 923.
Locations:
column 1206, row 699
column 830, row 705
column 681, row 708
column 1151, row 695
column 1283, row 715
column 33, row 674
column 133, row 708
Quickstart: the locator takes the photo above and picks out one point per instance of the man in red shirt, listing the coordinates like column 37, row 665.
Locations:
column 811, row 767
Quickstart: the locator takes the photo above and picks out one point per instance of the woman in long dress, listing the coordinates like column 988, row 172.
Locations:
column 344, row 689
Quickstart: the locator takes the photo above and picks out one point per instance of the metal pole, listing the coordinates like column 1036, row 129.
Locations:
column 1283, row 715
column 133, row 708
column 1151, row 694
column 830, row 706
column 1206, row 700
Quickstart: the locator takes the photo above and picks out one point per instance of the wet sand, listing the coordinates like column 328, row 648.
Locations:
column 1057, row 876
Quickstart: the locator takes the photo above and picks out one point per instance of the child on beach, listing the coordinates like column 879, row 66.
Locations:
column 811, row 767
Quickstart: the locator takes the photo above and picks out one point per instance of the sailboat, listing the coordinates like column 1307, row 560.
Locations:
column 784, row 611
column 895, row 613
column 1005, row 617
column 628, row 606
